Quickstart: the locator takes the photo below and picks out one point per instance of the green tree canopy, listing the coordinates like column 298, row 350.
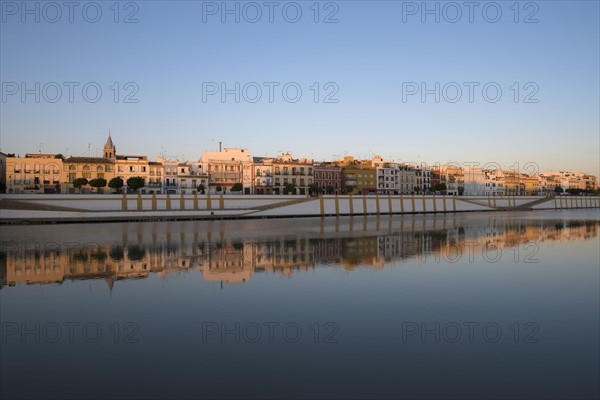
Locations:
column 79, row 182
column 440, row 187
column 135, row 182
column 237, row 187
column 116, row 183
column 288, row 188
column 98, row 183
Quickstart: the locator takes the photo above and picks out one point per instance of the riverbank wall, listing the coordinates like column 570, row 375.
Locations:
column 107, row 208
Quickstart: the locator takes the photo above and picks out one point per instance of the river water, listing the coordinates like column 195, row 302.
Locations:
column 472, row 305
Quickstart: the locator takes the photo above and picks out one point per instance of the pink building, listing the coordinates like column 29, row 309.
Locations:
column 328, row 176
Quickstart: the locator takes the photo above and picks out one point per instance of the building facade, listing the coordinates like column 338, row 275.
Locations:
column 328, row 178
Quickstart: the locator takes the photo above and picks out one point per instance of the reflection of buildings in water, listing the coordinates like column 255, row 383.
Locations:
column 235, row 261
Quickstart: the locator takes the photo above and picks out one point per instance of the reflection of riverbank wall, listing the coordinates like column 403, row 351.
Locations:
column 233, row 251
column 105, row 208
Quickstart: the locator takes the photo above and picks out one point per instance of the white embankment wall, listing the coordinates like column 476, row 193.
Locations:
column 113, row 207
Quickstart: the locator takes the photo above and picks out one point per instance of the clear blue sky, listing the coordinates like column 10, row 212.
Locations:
column 368, row 54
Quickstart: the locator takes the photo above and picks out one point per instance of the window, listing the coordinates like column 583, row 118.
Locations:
column 72, row 168
column 107, row 168
column 86, row 167
column 143, row 169
column 71, row 178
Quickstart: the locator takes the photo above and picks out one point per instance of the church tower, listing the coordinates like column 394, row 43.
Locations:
column 110, row 149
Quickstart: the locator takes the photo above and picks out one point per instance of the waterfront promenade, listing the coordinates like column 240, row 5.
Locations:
column 105, row 207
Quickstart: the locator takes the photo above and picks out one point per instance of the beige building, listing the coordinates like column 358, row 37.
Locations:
column 263, row 171
column 297, row 172
column 34, row 173
column 226, row 168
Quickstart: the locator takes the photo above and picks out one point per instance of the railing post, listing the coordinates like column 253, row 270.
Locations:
column 321, row 205
column 351, row 204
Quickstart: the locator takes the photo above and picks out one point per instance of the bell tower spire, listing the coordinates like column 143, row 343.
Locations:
column 109, row 148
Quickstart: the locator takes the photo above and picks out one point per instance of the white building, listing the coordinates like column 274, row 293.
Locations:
column 228, row 167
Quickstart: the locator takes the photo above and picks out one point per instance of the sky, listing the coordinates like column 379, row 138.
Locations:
column 510, row 83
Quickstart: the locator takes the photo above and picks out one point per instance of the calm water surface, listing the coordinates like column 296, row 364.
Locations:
column 482, row 305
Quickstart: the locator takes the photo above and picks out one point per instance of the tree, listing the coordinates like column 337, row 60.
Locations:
column 237, row 187
column 98, row 183
column 329, row 189
column 288, row 188
column 218, row 189
column 79, row 182
column 201, row 188
column 558, row 189
column 59, row 156
column 440, row 187
column 313, row 188
column 116, row 183
column 349, row 189
column 135, row 183
column 417, row 189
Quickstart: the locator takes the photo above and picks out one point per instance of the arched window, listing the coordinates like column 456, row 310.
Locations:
column 72, row 168
column 99, row 168
column 86, row 167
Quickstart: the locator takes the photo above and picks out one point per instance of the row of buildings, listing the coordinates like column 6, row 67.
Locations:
column 219, row 171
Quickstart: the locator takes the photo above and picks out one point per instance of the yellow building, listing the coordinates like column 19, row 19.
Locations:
column 360, row 176
column 34, row 173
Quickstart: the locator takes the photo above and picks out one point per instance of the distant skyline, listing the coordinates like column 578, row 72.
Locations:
column 367, row 61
